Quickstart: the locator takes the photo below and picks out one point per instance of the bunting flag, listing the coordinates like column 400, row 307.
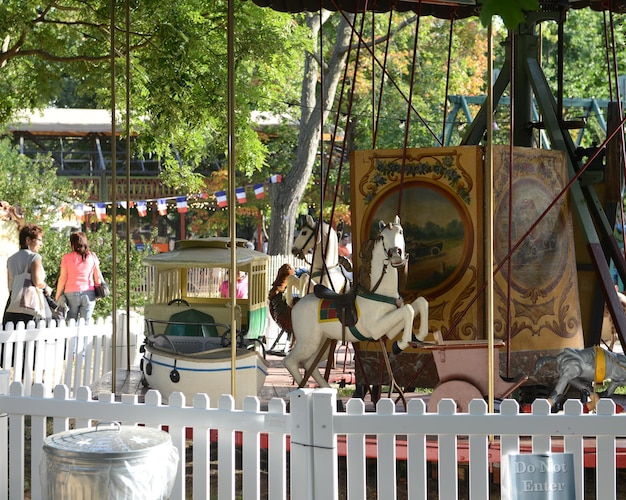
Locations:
column 79, row 211
column 222, row 201
column 162, row 206
column 241, row 195
column 142, row 208
column 181, row 204
column 259, row 191
column 101, row 211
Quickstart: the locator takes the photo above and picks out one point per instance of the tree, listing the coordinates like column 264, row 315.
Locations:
column 319, row 91
column 286, row 196
column 178, row 72
column 32, row 186
column 42, row 197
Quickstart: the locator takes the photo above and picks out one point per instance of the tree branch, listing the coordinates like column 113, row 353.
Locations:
column 391, row 34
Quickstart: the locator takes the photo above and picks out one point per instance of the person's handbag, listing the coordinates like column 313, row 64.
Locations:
column 26, row 298
column 101, row 289
column 58, row 309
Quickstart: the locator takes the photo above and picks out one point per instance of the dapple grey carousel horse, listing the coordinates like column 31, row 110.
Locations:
column 580, row 368
column 379, row 307
column 325, row 268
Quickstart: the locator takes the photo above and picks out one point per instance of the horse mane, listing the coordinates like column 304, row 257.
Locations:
column 365, row 269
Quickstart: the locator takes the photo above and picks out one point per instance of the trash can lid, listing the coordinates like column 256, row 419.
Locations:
column 112, row 441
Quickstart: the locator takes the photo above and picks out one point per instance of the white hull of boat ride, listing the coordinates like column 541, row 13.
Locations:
column 181, row 368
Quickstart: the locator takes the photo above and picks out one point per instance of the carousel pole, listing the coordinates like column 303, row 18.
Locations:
column 128, row 240
column 232, row 281
column 113, row 199
column 489, row 215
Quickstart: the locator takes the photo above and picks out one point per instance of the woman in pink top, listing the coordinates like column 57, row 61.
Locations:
column 242, row 286
column 76, row 279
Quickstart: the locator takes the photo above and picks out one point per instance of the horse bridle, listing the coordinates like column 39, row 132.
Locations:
column 300, row 254
column 388, row 261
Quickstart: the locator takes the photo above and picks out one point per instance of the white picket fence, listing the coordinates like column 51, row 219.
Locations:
column 73, row 354
column 313, row 432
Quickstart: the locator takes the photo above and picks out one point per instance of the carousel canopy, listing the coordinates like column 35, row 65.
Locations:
column 438, row 8
column 208, row 252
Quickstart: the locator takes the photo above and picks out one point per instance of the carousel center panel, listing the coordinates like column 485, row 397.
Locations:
column 438, row 194
column 537, row 288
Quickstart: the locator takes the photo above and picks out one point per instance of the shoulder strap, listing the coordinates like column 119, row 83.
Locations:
column 29, row 264
column 96, row 270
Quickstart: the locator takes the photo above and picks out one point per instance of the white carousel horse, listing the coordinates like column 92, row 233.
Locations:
column 325, row 268
column 379, row 307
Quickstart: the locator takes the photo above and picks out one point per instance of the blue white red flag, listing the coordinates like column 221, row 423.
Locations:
column 241, row 195
column 181, row 204
column 222, row 200
column 259, row 191
column 101, row 211
column 162, row 206
column 79, row 211
column 142, row 208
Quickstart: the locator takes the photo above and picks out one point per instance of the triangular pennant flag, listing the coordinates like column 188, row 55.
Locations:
column 222, row 201
column 162, row 206
column 142, row 208
column 181, row 204
column 276, row 178
column 259, row 191
column 101, row 211
column 241, row 195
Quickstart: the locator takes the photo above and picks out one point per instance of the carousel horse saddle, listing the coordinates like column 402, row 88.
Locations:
column 345, row 303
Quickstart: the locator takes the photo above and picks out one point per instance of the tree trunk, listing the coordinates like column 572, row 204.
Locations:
column 286, row 196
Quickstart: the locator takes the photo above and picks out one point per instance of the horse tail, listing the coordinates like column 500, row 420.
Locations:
column 541, row 362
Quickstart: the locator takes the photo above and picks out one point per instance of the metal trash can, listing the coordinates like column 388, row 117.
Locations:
column 108, row 461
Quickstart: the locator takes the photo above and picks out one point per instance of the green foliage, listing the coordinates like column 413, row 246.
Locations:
column 585, row 65
column 178, row 73
column 32, row 185
column 465, row 76
column 56, row 244
column 511, row 11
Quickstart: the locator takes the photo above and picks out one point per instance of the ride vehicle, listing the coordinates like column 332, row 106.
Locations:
column 188, row 339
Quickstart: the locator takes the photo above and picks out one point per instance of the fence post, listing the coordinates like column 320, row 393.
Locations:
column 128, row 338
column 301, row 459
column 324, row 442
column 4, row 444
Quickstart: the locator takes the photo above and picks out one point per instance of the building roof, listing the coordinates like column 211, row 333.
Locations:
column 64, row 121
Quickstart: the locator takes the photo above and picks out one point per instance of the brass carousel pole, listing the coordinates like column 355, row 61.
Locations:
column 113, row 200
column 489, row 215
column 232, row 279
column 128, row 240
